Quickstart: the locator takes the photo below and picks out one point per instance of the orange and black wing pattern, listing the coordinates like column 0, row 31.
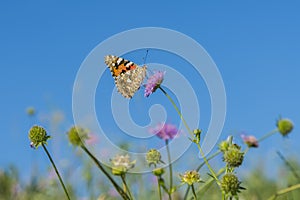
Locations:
column 118, row 65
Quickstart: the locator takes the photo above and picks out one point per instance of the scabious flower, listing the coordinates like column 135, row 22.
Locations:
column 77, row 135
column 165, row 131
column 233, row 156
column 37, row 136
column 153, row 157
column 154, row 82
column 285, row 126
column 250, row 140
column 230, row 184
column 121, row 164
column 190, row 177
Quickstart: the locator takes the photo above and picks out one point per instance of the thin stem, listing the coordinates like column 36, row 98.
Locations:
column 164, row 187
column 208, row 165
column 191, row 133
column 209, row 158
column 127, row 190
column 284, row 191
column 159, row 189
column 263, row 138
column 194, row 193
column 209, row 182
column 293, row 170
column 170, row 166
column 198, row 168
column 223, row 196
column 56, row 171
column 177, row 110
column 268, row 135
column 118, row 188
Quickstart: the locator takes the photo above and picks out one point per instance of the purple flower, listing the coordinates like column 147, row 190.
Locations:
column 154, row 82
column 250, row 140
column 164, row 131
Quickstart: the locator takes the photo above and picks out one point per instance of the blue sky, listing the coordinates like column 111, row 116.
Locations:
column 255, row 45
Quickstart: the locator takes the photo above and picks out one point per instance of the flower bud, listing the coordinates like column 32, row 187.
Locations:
column 233, row 156
column 285, row 126
column 153, row 157
column 230, row 184
column 77, row 135
column 158, row 171
column 121, row 164
column 190, row 177
column 37, row 136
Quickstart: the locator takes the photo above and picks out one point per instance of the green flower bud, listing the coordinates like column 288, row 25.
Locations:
column 158, row 171
column 224, row 145
column 153, row 157
column 233, row 156
column 285, row 126
column 30, row 111
column 38, row 136
column 197, row 133
column 121, row 164
column 230, row 184
column 77, row 135
column 190, row 177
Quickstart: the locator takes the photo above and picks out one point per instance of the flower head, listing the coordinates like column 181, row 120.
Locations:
column 190, row 177
column 153, row 157
column 165, row 131
column 250, row 140
column 30, row 111
column 154, row 82
column 121, row 164
column 158, row 171
column 233, row 156
column 37, row 136
column 230, row 184
column 77, row 135
column 285, row 126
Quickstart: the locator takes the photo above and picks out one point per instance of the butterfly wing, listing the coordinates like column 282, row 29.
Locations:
column 128, row 76
column 118, row 65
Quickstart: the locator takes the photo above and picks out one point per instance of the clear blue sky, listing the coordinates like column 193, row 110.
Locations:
column 255, row 45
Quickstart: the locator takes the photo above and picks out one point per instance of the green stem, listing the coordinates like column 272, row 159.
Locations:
column 288, row 164
column 177, row 110
column 170, row 165
column 198, row 168
column 159, row 189
column 284, row 191
column 118, row 188
column 209, row 182
column 208, row 165
column 161, row 180
column 263, row 138
column 191, row 133
column 223, row 196
column 194, row 193
column 56, row 171
column 268, row 135
column 127, row 190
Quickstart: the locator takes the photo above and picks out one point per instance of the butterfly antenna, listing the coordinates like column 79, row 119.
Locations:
column 145, row 58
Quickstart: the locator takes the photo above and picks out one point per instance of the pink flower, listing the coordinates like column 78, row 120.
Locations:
column 164, row 131
column 250, row 140
column 154, row 82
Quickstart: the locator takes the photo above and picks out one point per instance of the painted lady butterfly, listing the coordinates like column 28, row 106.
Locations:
column 128, row 76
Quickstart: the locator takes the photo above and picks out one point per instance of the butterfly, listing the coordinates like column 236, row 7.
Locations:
column 128, row 75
